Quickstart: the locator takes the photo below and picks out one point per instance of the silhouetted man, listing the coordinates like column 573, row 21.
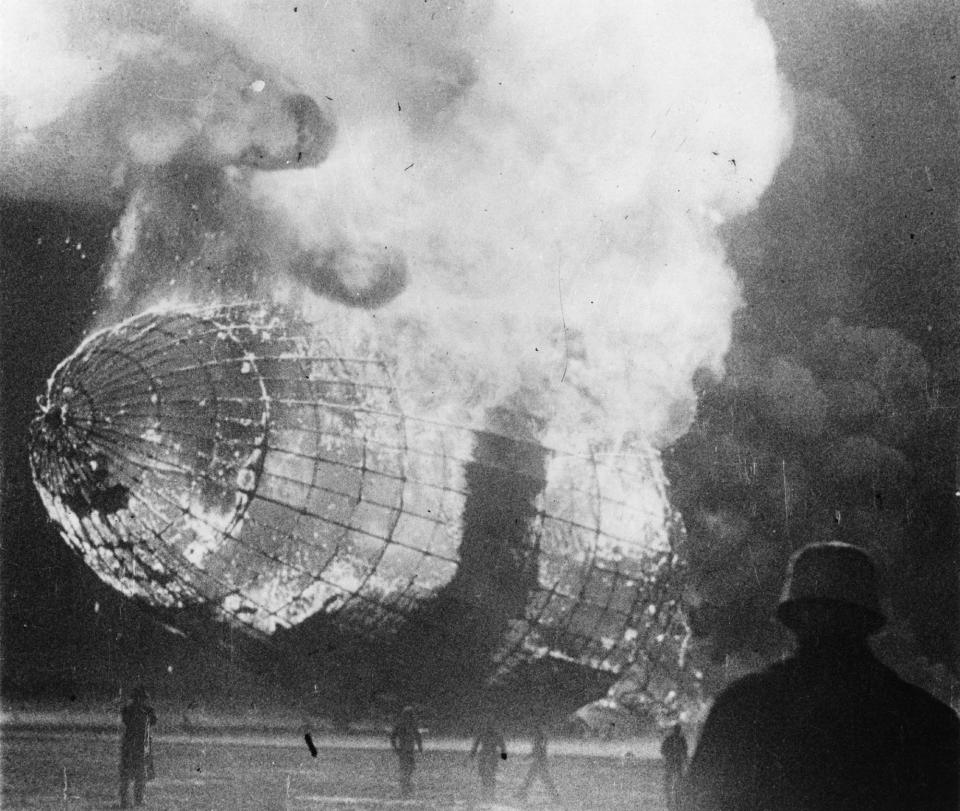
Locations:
column 406, row 741
column 539, row 767
column 489, row 748
column 674, row 752
column 830, row 727
column 135, row 748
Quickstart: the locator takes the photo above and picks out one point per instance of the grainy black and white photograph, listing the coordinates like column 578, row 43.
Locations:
column 480, row 404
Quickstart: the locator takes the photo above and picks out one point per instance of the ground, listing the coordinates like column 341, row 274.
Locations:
column 76, row 769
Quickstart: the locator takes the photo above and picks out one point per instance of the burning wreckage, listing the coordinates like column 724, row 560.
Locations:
column 236, row 464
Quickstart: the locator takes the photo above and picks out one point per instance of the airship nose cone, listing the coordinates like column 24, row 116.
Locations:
column 211, row 458
column 65, row 460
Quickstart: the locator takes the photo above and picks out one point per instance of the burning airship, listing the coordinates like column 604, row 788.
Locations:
column 238, row 463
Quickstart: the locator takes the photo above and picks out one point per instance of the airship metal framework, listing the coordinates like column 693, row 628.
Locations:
column 238, row 458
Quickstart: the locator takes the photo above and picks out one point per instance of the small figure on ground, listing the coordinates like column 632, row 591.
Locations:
column 539, row 767
column 830, row 727
column 136, row 747
column 405, row 740
column 674, row 752
column 489, row 748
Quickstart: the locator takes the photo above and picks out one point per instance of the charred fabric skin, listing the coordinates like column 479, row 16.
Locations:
column 235, row 462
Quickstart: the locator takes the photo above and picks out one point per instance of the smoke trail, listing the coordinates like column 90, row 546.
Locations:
column 553, row 175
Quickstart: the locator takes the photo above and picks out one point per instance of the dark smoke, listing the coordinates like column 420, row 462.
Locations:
column 837, row 417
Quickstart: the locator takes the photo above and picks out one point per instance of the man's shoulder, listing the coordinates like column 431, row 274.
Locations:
column 918, row 701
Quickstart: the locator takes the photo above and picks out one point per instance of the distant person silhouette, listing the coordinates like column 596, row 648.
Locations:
column 405, row 740
column 489, row 748
column 539, row 767
column 830, row 728
column 674, row 752
column 136, row 750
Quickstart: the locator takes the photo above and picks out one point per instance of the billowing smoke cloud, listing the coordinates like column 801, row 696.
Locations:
column 549, row 176
column 554, row 175
column 837, row 418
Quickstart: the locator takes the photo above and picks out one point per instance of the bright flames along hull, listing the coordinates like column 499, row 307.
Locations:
column 236, row 460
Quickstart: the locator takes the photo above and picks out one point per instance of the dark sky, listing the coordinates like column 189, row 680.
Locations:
column 843, row 381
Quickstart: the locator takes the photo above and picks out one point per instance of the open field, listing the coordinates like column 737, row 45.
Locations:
column 76, row 769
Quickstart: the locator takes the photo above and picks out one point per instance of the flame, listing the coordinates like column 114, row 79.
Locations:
column 559, row 212
column 553, row 174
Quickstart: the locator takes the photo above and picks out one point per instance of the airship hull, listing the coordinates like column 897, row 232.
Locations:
column 237, row 463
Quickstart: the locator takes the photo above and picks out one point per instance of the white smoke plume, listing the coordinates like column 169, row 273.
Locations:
column 553, row 172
